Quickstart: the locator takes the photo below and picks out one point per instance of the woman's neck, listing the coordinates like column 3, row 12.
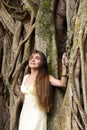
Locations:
column 34, row 73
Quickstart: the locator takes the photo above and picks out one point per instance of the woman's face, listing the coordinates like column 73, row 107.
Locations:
column 35, row 61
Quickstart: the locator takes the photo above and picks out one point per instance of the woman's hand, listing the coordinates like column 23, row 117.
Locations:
column 64, row 65
column 63, row 81
column 64, row 59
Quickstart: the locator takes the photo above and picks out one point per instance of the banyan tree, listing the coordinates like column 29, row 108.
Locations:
column 54, row 27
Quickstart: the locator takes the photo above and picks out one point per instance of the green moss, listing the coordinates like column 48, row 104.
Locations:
column 45, row 29
column 46, row 32
column 46, row 3
column 45, row 19
column 26, row 8
column 45, row 23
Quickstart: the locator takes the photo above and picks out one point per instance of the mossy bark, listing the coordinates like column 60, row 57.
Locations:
column 71, row 97
column 45, row 35
column 45, row 42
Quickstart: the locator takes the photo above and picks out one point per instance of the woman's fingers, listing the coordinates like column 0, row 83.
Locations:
column 64, row 59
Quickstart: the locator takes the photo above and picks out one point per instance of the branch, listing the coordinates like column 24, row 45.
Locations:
column 17, row 73
column 32, row 6
column 77, row 74
column 82, row 112
column 14, row 117
column 83, row 116
column 8, row 20
column 19, row 48
column 77, row 120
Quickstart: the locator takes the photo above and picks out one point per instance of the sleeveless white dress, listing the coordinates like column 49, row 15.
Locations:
column 31, row 117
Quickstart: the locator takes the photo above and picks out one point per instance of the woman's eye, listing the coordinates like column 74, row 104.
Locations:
column 31, row 57
column 38, row 58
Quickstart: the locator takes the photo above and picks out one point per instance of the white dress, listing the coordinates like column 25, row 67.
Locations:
column 31, row 117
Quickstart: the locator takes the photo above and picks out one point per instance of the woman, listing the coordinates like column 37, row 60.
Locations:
column 37, row 90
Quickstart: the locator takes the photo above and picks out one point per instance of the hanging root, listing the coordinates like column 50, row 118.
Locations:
column 78, row 112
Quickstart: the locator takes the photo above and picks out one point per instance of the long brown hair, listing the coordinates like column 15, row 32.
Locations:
column 43, row 87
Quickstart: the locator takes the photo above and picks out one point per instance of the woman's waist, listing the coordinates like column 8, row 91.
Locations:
column 30, row 98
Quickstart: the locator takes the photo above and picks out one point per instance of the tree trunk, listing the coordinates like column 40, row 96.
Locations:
column 73, row 97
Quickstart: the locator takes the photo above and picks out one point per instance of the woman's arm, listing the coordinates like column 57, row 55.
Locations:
column 63, row 81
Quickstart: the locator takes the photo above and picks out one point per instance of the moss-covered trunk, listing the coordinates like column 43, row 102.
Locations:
column 45, row 34
column 46, row 41
column 74, row 107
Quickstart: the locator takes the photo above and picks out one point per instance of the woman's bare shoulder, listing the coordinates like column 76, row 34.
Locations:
column 26, row 76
